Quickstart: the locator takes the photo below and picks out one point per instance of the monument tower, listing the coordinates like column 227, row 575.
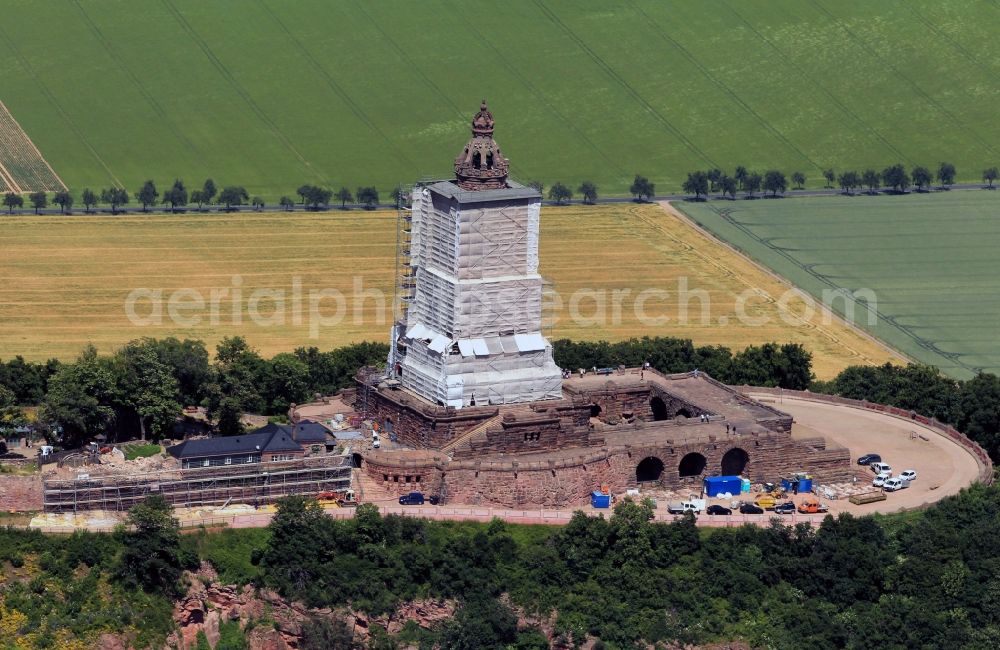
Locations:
column 471, row 334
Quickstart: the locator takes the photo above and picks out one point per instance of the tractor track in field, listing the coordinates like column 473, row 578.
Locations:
column 899, row 74
column 958, row 47
column 617, row 78
column 811, row 79
column 930, row 346
column 402, row 54
column 240, row 90
column 721, row 85
column 23, row 61
column 149, row 97
column 331, row 82
column 542, row 99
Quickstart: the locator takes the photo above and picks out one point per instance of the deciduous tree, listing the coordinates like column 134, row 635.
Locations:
column 774, row 182
column 344, row 196
column 641, row 188
column 176, row 196
column 64, row 200
column 728, row 186
column 871, row 179
column 696, row 183
column 147, row 195
column 848, row 181
column 922, row 178
column 368, row 196
column 588, row 191
column 208, row 191
column 151, row 556
column 896, row 178
column 258, row 203
column 286, row 203
column 740, row 175
column 39, row 200
column 946, row 174
column 990, row 175
column 830, row 176
column 560, row 193
column 752, row 183
column 89, row 199
column 147, row 388
column 115, row 197
column 12, row 201
column 233, row 196
column 80, row 398
column 799, row 179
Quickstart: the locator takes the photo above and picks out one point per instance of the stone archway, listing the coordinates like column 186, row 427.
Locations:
column 692, row 464
column 683, row 411
column 649, row 469
column 595, row 410
column 356, row 460
column 734, row 462
column 659, row 408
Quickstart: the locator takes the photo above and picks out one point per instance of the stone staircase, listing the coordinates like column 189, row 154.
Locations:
column 367, row 489
column 468, row 435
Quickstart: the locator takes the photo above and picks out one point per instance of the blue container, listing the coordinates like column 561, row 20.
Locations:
column 746, row 486
column 786, row 484
column 716, row 485
column 805, row 485
column 599, row 500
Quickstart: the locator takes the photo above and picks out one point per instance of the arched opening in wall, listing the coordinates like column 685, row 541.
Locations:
column 387, row 426
column 595, row 410
column 734, row 462
column 477, row 160
column 659, row 408
column 356, row 460
column 489, row 160
column 692, row 464
column 683, row 412
column 649, row 469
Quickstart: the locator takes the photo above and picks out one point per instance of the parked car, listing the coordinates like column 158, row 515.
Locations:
column 412, row 499
column 376, row 443
column 691, row 505
column 880, row 468
column 716, row 509
column 908, row 474
column 751, row 509
column 434, row 500
column 868, row 459
column 893, row 484
column 880, row 480
column 786, row 508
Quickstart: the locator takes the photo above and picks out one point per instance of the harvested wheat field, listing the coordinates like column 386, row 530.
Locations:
column 287, row 280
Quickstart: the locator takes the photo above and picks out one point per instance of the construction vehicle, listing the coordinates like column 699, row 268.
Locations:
column 765, row 501
column 812, row 506
column 343, row 498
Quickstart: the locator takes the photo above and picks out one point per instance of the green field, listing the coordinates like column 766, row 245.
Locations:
column 271, row 94
column 931, row 260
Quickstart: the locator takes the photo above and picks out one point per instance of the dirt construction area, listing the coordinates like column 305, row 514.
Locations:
column 943, row 467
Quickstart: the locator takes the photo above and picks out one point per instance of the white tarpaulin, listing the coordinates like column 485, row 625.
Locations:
column 439, row 343
column 465, row 347
column 529, row 342
column 418, row 331
column 479, row 347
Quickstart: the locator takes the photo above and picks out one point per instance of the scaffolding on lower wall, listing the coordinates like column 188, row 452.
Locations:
column 254, row 484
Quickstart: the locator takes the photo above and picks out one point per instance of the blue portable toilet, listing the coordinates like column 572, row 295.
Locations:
column 600, row 500
column 716, row 485
column 806, row 484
